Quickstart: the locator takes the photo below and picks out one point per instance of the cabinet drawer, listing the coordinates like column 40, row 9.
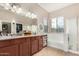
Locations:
column 4, row 43
column 17, row 41
column 33, row 38
column 39, row 37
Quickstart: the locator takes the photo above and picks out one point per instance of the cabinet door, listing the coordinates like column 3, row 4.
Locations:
column 40, row 39
column 34, row 45
column 9, row 51
column 25, row 48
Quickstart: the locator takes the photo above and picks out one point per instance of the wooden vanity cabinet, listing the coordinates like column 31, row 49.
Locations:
column 34, row 45
column 9, row 51
column 40, row 42
column 25, row 47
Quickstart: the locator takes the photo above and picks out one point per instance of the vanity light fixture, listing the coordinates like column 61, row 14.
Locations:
column 28, row 14
column 19, row 10
column 31, row 15
column 16, row 8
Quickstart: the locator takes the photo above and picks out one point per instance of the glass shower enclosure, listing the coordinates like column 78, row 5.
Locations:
column 72, row 33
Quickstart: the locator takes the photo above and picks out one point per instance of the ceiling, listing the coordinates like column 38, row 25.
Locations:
column 50, row 7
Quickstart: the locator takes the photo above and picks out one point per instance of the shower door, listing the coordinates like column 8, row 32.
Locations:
column 78, row 34
column 71, row 29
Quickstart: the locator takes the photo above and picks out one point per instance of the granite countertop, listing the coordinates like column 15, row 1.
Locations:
column 14, row 37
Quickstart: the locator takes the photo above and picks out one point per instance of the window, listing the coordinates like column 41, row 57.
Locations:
column 57, row 24
column 45, row 24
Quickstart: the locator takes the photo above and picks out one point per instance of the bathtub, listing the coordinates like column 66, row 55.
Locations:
column 56, row 40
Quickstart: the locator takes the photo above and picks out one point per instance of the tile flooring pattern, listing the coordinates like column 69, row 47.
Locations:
column 48, row 51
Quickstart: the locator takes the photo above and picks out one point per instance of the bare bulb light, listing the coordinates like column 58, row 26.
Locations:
column 19, row 10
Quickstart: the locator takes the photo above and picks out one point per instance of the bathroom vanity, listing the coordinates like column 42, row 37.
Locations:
column 22, row 45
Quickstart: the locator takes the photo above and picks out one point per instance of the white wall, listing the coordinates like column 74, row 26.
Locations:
column 0, row 26
column 13, row 28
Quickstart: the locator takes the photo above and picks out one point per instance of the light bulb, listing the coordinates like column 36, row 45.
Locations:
column 19, row 10
column 14, row 7
column 28, row 14
column 34, row 16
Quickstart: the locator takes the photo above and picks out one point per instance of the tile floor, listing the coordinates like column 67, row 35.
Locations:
column 48, row 51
